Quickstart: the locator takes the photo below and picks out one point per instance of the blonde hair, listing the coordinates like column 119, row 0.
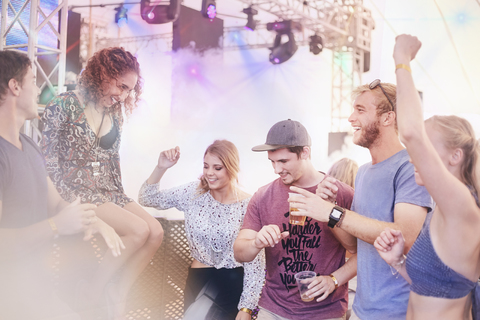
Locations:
column 381, row 101
column 458, row 133
column 228, row 154
column 344, row 170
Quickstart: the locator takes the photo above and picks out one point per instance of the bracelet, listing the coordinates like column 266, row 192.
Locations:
column 246, row 310
column 335, row 281
column 400, row 264
column 54, row 228
column 339, row 223
column 403, row 66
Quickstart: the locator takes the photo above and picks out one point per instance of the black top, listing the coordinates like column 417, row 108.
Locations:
column 107, row 141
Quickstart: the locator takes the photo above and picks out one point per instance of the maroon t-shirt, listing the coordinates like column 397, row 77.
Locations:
column 311, row 247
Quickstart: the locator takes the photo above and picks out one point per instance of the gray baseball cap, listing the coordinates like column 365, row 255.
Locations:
column 284, row 134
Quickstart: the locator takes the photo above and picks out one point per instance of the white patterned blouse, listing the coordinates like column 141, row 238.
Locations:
column 211, row 228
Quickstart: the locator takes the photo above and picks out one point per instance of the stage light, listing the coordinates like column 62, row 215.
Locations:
column 316, row 44
column 121, row 16
column 251, row 23
column 284, row 27
column 209, row 9
column 281, row 52
column 158, row 14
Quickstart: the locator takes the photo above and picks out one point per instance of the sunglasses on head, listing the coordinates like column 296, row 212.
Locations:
column 377, row 83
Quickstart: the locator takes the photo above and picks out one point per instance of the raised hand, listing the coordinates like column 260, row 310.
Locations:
column 390, row 245
column 75, row 217
column 406, row 48
column 168, row 158
column 327, row 189
column 269, row 236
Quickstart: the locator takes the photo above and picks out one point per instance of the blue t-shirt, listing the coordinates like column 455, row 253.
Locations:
column 380, row 295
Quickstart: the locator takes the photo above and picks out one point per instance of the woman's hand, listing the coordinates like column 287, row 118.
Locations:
column 168, row 158
column 406, row 48
column 242, row 315
column 390, row 245
column 112, row 239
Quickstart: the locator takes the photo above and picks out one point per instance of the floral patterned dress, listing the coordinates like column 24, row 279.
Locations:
column 68, row 145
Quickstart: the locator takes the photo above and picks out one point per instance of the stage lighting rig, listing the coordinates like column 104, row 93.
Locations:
column 251, row 23
column 281, row 52
column 209, row 9
column 121, row 17
column 316, row 44
column 154, row 13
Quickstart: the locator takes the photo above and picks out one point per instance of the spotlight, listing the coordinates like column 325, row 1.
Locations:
column 121, row 16
column 284, row 27
column 251, row 23
column 281, row 52
column 158, row 14
column 316, row 44
column 209, row 9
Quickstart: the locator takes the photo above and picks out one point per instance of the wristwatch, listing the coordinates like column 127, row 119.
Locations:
column 335, row 216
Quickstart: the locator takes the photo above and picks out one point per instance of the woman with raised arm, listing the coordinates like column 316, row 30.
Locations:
column 81, row 142
column 214, row 209
column 443, row 265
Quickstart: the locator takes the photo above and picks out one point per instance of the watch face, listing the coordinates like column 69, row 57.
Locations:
column 336, row 214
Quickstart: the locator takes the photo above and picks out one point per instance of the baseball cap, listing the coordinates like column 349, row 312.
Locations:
column 283, row 134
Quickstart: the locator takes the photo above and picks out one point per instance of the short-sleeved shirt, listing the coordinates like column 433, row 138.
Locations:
column 378, row 188
column 23, row 184
column 311, row 247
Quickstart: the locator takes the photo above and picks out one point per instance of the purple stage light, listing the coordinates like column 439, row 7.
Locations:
column 151, row 15
column 211, row 11
column 276, row 60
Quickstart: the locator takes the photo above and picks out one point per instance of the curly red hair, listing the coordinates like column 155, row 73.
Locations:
column 105, row 65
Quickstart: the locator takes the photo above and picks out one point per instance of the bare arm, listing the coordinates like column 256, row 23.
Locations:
column 408, row 218
column 249, row 242
column 166, row 160
column 324, row 285
column 348, row 241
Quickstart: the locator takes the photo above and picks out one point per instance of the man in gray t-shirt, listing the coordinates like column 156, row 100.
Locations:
column 32, row 213
column 386, row 195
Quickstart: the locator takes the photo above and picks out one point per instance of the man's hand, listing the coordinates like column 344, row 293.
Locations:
column 311, row 205
column 269, row 236
column 321, row 286
column 75, row 217
column 327, row 189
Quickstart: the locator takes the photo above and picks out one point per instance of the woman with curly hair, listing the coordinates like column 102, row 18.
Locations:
column 81, row 141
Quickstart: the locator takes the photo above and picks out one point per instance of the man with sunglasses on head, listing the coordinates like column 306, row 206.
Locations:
column 386, row 195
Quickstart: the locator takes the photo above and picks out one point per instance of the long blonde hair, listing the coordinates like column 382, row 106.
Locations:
column 344, row 170
column 458, row 133
column 228, row 154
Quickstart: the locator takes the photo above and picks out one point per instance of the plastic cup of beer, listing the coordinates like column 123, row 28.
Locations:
column 303, row 279
column 295, row 220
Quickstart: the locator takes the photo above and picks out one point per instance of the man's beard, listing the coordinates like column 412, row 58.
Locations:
column 369, row 135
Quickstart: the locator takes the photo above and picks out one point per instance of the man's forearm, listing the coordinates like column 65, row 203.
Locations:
column 347, row 271
column 244, row 250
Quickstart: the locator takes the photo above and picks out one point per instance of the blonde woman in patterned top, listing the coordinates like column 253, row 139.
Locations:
column 214, row 208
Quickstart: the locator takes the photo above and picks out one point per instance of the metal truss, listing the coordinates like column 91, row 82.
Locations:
column 38, row 20
column 344, row 25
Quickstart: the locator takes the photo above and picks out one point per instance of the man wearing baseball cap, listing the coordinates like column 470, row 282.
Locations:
column 293, row 248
